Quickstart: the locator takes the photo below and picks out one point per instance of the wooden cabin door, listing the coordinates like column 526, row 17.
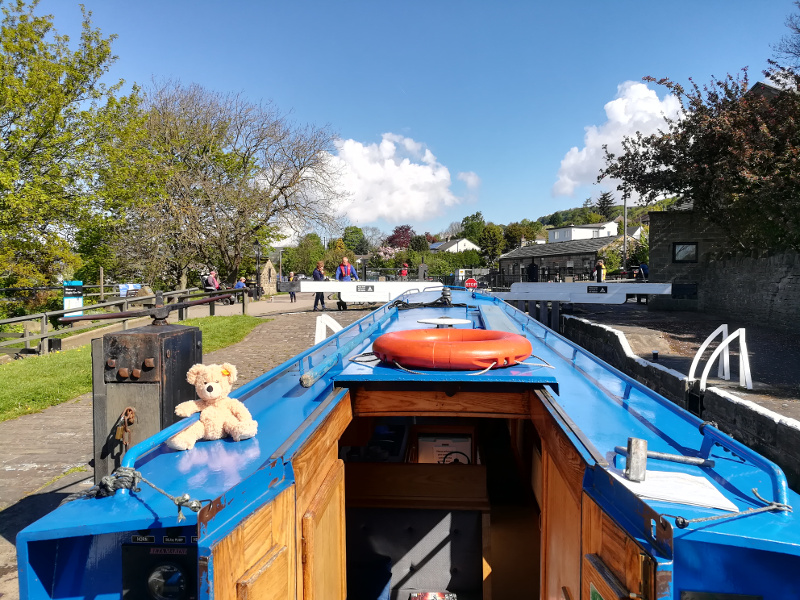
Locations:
column 561, row 535
column 323, row 540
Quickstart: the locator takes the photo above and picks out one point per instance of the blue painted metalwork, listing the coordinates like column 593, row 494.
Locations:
column 76, row 551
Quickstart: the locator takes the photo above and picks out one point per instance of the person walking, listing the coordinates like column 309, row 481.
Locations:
column 292, row 295
column 599, row 274
column 319, row 275
column 345, row 272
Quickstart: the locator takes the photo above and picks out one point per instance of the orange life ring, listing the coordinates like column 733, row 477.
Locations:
column 452, row 349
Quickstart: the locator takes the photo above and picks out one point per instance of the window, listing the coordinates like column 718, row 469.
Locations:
column 684, row 252
column 595, row 233
column 556, row 234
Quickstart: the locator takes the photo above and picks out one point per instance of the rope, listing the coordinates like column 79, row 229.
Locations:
column 128, row 479
column 544, row 363
column 399, row 366
column 369, row 357
column 682, row 523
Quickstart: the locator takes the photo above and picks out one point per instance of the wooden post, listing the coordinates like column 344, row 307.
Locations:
column 102, row 288
column 45, row 341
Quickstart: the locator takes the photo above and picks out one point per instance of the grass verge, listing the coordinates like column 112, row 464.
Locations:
column 37, row 382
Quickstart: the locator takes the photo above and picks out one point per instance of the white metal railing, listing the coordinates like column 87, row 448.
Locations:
column 723, row 350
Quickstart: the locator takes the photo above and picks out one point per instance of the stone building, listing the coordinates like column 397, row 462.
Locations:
column 562, row 261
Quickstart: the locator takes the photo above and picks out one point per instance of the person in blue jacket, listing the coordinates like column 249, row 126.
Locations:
column 319, row 275
column 345, row 272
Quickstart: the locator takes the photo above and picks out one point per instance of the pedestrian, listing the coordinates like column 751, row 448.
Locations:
column 644, row 271
column 319, row 275
column 292, row 296
column 533, row 272
column 404, row 272
column 599, row 274
column 241, row 285
column 212, row 284
column 345, row 272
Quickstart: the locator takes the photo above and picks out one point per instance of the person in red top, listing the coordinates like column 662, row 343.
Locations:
column 404, row 272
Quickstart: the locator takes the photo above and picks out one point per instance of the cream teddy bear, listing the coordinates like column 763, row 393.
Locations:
column 219, row 414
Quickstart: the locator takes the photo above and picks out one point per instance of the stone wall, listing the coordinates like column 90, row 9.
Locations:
column 774, row 436
column 763, row 290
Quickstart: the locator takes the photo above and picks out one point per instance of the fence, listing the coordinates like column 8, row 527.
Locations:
column 44, row 340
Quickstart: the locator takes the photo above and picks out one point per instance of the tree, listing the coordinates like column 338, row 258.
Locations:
column 604, row 205
column 492, row 242
column 419, row 243
column 354, row 240
column 374, row 237
column 234, row 172
column 303, row 258
column 451, row 231
column 52, row 124
column 734, row 153
column 472, row 227
column 789, row 46
column 401, row 236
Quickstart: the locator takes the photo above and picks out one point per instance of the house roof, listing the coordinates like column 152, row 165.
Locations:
column 451, row 243
column 436, row 245
column 561, row 248
column 584, row 226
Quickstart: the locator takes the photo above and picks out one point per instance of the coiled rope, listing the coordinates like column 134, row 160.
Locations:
column 683, row 523
column 128, row 478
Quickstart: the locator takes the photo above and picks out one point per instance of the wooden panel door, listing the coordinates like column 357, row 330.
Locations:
column 256, row 560
column 323, row 551
column 561, row 535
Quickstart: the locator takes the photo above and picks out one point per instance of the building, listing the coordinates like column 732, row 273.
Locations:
column 560, row 260
column 459, row 245
column 571, row 233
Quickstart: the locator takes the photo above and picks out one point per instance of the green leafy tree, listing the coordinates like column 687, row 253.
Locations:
column 472, row 227
column 492, row 242
column 52, row 125
column 419, row 243
column 734, row 152
column 354, row 239
column 303, row 258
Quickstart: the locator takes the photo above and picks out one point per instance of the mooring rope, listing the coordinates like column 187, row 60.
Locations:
column 683, row 523
column 128, row 478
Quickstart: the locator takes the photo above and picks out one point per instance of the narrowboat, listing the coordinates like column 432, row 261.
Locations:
column 379, row 472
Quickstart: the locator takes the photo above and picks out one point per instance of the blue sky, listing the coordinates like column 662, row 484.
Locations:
column 445, row 108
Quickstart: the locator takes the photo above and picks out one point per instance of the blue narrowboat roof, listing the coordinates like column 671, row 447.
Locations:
column 599, row 409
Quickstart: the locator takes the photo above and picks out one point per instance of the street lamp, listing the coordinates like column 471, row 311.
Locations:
column 257, row 252
column 280, row 264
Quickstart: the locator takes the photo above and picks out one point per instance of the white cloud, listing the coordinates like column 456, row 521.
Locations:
column 636, row 108
column 398, row 180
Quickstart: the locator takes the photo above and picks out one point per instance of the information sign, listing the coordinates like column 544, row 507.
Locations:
column 73, row 297
column 471, row 283
column 365, row 288
column 597, row 289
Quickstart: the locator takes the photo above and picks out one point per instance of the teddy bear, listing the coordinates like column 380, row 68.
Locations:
column 220, row 415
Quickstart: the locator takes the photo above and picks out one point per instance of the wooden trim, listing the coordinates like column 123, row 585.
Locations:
column 563, row 453
column 324, row 558
column 595, row 572
column 268, row 579
column 619, row 552
column 413, row 485
column 463, row 403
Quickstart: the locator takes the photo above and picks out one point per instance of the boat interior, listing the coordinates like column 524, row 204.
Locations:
column 463, row 490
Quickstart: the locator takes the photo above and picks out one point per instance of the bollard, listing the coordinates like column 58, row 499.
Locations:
column 655, row 355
